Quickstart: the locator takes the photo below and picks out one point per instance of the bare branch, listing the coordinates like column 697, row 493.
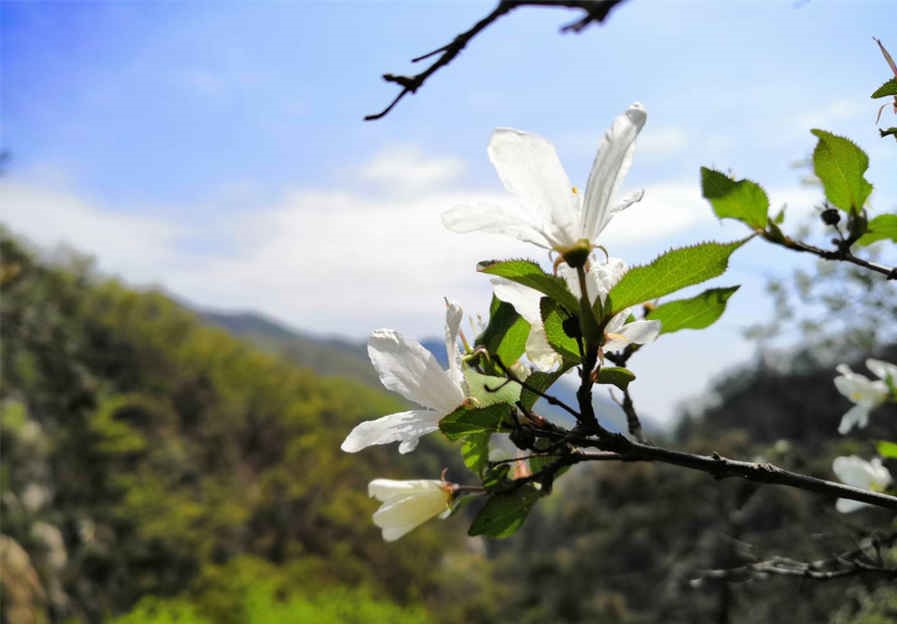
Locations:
column 865, row 560
column 595, row 11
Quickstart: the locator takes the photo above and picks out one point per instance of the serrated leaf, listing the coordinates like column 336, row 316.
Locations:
column 840, row 165
column 882, row 227
column 743, row 200
column 697, row 312
column 465, row 421
column 504, row 513
column 505, row 335
column 530, row 274
column 475, row 451
column 556, row 321
column 616, row 375
column 672, row 271
column 887, row 449
column 489, row 389
column 887, row 89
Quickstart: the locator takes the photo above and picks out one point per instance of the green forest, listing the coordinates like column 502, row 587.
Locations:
column 157, row 468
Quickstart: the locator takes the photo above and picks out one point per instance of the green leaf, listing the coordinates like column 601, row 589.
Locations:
column 887, row 449
column 695, row 313
column 504, row 513
column 882, row 227
column 735, row 199
column 888, row 88
column 475, row 451
column 840, row 165
column 491, row 390
column 556, row 322
column 465, row 421
column 530, row 274
column 505, row 335
column 496, row 476
column 540, row 381
column 615, row 375
column 670, row 272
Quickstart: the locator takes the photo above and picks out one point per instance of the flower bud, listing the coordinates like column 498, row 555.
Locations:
column 830, row 216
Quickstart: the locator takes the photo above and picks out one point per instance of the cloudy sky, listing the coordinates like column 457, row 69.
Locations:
column 218, row 149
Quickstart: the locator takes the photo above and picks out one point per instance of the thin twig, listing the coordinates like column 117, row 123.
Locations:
column 595, row 11
column 632, row 420
column 842, row 253
column 550, row 399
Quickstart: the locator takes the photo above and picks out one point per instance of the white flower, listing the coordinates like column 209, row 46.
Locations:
column 859, row 473
column 408, row 504
column 552, row 214
column 600, row 278
column 407, row 368
column 865, row 393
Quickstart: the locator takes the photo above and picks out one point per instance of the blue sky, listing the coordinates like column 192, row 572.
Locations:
column 217, row 149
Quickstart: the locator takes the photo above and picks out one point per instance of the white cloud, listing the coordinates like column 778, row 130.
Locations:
column 667, row 208
column 347, row 261
column 407, row 169
column 141, row 248
column 831, row 114
column 661, row 141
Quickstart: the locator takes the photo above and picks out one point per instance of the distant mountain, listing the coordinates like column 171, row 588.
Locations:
column 329, row 356
column 342, row 358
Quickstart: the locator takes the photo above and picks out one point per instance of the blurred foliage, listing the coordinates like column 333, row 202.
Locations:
column 829, row 311
column 253, row 591
column 142, row 448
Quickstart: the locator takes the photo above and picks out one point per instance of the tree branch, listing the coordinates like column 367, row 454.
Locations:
column 842, row 253
column 723, row 468
column 865, row 560
column 594, row 11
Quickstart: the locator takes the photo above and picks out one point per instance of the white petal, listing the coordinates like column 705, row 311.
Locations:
column 861, row 390
column 453, row 316
column 856, row 416
column 846, row 505
column 627, row 201
column 409, row 369
column 859, row 473
column 495, row 220
column 615, row 324
column 405, row 427
column 844, row 369
column 387, row 489
column 641, row 332
column 611, row 164
column 530, row 169
column 879, row 475
column 607, row 274
column 406, row 506
column 539, row 351
column 524, row 299
column 570, row 276
column 883, row 370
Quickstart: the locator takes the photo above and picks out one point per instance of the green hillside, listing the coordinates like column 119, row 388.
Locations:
column 325, row 356
column 147, row 454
